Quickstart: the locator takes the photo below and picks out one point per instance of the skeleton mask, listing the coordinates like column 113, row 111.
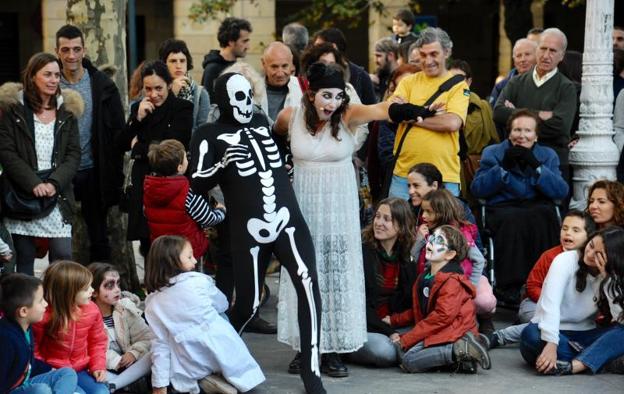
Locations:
column 239, row 92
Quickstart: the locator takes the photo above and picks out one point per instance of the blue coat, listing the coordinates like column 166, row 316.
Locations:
column 16, row 354
column 497, row 185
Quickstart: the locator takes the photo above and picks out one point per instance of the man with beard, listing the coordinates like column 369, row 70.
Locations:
column 386, row 56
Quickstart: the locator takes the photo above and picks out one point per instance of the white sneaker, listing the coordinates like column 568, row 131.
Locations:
column 216, row 384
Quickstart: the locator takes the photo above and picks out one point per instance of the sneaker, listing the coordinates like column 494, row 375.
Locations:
column 468, row 348
column 615, row 366
column 467, row 367
column 561, row 368
column 216, row 384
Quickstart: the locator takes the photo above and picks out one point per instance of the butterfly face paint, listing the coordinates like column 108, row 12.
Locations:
column 437, row 246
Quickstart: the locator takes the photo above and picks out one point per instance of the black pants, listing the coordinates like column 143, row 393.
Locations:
column 295, row 251
column 25, row 250
column 87, row 191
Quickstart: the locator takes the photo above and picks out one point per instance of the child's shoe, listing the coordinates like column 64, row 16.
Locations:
column 216, row 384
column 468, row 348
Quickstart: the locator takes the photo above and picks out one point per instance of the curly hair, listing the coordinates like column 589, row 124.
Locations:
column 230, row 29
column 314, row 53
column 403, row 219
column 615, row 194
column 171, row 45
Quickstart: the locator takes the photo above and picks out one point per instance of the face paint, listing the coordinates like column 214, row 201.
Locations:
column 437, row 246
column 327, row 101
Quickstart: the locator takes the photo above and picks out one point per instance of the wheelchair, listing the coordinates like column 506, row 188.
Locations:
column 489, row 238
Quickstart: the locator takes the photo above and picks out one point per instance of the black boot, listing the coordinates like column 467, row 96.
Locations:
column 260, row 326
column 486, row 325
column 295, row 365
column 332, row 365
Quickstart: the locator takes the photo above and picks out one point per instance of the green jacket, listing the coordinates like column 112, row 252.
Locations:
column 17, row 144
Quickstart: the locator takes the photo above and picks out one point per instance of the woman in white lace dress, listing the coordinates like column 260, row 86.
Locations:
column 323, row 141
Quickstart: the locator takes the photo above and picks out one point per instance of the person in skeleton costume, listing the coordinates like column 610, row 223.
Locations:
column 323, row 139
column 238, row 153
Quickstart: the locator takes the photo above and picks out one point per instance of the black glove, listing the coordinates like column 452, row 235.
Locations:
column 404, row 112
column 511, row 157
column 527, row 157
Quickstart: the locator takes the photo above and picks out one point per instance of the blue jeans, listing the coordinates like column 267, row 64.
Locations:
column 377, row 351
column 88, row 385
column 398, row 188
column 421, row 359
column 60, row 381
column 597, row 346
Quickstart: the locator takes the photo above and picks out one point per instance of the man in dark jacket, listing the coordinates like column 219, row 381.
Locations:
column 233, row 39
column 97, row 183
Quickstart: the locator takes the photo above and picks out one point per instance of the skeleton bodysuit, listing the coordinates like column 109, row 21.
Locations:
column 238, row 153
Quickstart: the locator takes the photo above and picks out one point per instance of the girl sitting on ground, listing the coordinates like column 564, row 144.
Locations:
column 562, row 337
column 129, row 337
column 194, row 340
column 71, row 333
column 442, row 312
column 389, row 275
column 440, row 207
column 573, row 236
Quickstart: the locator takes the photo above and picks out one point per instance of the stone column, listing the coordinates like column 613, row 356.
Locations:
column 595, row 156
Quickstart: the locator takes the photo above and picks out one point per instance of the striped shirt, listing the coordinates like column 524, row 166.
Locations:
column 201, row 212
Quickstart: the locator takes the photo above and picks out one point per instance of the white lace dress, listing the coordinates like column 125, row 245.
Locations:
column 325, row 186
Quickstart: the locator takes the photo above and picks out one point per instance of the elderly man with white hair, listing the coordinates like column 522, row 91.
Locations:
column 547, row 92
column 523, row 54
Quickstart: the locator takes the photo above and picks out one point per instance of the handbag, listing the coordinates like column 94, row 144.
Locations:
column 126, row 189
column 22, row 206
column 446, row 85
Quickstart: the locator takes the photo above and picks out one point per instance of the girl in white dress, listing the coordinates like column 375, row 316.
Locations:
column 323, row 141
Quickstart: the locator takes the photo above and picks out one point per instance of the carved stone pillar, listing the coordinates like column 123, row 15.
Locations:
column 595, row 156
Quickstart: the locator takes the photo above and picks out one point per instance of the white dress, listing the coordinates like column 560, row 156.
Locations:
column 326, row 189
column 51, row 226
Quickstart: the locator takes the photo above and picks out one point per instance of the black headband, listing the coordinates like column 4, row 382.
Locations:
column 322, row 76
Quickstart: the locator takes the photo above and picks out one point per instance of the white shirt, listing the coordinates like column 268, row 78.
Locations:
column 540, row 81
column 193, row 340
column 561, row 306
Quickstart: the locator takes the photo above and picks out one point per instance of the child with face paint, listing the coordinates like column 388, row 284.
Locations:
column 129, row 337
column 440, row 207
column 443, row 311
column 573, row 236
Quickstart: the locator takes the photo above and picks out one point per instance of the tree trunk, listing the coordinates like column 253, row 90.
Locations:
column 103, row 23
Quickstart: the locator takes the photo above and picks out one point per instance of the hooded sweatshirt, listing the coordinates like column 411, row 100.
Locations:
column 213, row 65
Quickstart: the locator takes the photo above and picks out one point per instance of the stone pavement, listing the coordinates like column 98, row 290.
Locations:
column 509, row 373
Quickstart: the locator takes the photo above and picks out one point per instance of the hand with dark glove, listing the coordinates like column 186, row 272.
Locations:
column 406, row 112
column 511, row 157
column 528, row 158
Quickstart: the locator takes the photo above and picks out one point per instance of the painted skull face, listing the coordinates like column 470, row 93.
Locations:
column 437, row 246
column 239, row 92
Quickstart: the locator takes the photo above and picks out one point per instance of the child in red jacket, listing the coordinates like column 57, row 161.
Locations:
column 71, row 333
column 575, row 230
column 443, row 310
column 171, row 207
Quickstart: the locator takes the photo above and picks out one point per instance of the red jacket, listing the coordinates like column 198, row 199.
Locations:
column 450, row 311
column 82, row 347
column 164, row 206
column 535, row 281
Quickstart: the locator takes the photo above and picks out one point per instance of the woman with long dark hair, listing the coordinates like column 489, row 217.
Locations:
column 40, row 153
column 160, row 115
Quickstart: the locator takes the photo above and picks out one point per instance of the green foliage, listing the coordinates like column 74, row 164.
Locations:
column 318, row 14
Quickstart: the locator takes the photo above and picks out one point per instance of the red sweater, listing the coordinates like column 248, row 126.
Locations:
column 538, row 273
column 83, row 346
column 450, row 311
column 164, row 201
